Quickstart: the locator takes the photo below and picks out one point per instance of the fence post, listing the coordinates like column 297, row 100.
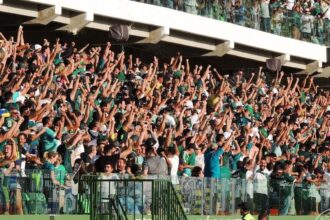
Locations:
column 168, row 200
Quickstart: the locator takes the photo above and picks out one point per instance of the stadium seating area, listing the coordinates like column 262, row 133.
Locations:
column 68, row 111
column 306, row 20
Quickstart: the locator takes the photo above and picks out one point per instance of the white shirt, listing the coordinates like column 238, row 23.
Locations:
column 327, row 176
column 108, row 188
column 175, row 165
column 200, row 161
column 261, row 181
column 249, row 183
column 264, row 9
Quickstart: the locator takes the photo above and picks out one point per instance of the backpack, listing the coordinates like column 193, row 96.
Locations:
column 34, row 203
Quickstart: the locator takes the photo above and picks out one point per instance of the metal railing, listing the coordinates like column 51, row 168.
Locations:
column 118, row 198
column 158, row 196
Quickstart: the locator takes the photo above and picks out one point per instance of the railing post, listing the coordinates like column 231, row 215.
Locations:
column 168, row 201
column 152, row 200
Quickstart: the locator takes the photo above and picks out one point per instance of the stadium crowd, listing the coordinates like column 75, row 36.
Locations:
column 307, row 20
column 114, row 114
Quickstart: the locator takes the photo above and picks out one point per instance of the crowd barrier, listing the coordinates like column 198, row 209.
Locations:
column 35, row 193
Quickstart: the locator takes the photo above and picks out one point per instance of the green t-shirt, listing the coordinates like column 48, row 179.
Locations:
column 49, row 141
column 48, row 166
column 286, row 184
column 263, row 132
column 60, row 173
column 189, row 159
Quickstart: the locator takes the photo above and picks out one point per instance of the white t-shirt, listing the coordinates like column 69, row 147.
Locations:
column 107, row 188
column 175, row 165
column 264, row 9
column 249, row 183
column 327, row 176
column 261, row 181
column 200, row 161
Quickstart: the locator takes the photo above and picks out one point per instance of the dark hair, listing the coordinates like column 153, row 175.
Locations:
column 219, row 137
column 287, row 163
column 262, row 216
column 108, row 148
column 45, row 120
column 149, row 149
column 196, row 171
column 89, row 67
column 171, row 150
column 123, row 159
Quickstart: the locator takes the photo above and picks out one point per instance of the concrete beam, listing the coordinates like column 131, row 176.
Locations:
column 221, row 49
column 46, row 16
column 312, row 67
column 18, row 11
column 263, row 58
column 156, row 35
column 325, row 73
column 78, row 22
column 188, row 43
column 284, row 58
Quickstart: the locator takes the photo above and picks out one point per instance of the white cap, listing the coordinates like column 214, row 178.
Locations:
column 37, row 47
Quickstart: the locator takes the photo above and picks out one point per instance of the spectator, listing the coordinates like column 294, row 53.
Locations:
column 265, row 16
column 261, row 187
column 197, row 172
column 108, row 189
column 213, row 154
column 96, row 108
column 154, row 165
